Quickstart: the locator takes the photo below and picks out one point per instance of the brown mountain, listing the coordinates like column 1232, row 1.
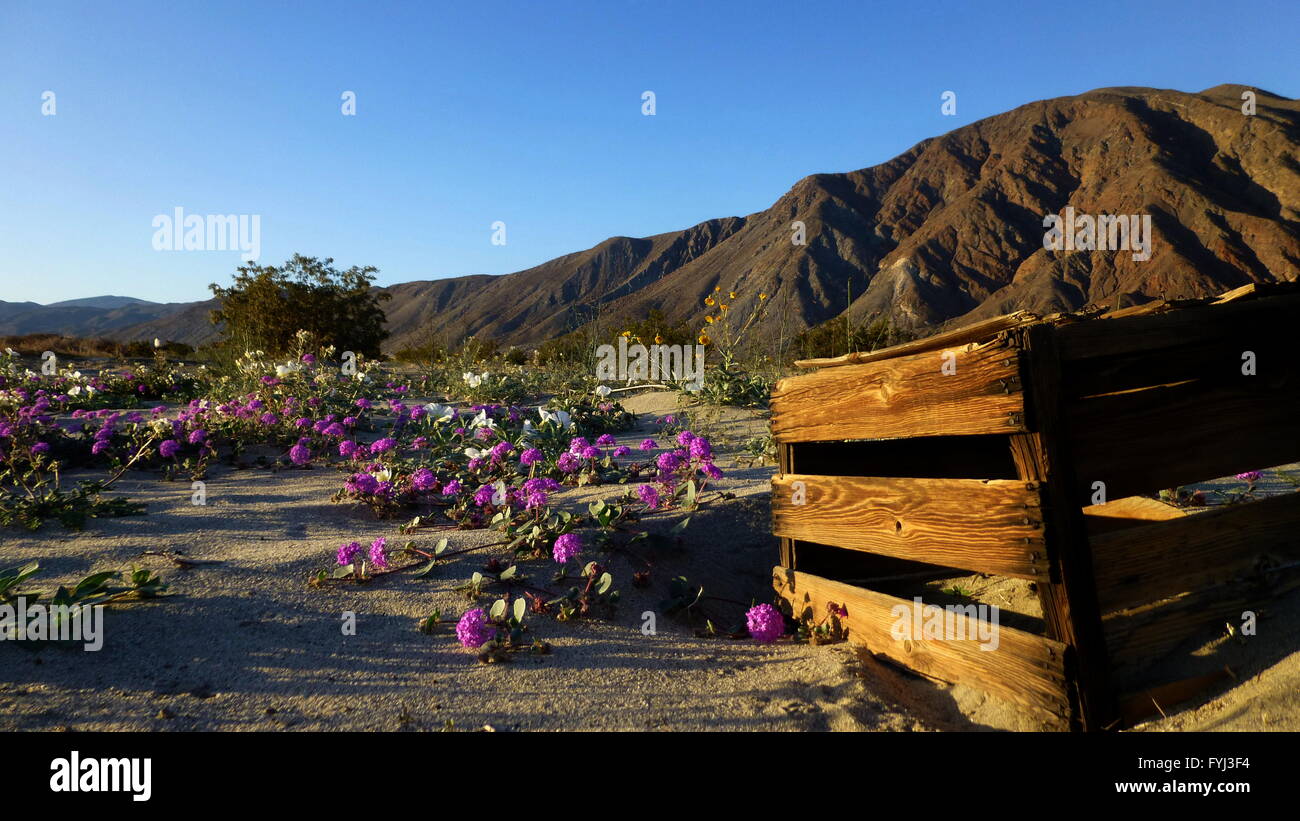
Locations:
column 948, row 232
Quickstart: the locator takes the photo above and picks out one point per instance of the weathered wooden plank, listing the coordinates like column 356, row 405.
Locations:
column 975, row 332
column 1138, row 636
column 1024, row 668
column 1148, row 440
column 785, row 464
column 1190, row 326
column 904, row 396
column 1130, row 511
column 1069, row 596
column 992, row 526
column 1143, row 564
column 1153, row 701
column 1217, row 361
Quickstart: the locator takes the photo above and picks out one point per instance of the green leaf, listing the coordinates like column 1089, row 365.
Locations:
column 509, row 573
column 520, row 608
column 498, row 609
column 93, row 584
column 343, row 572
column 606, row 581
column 440, row 547
column 426, row 570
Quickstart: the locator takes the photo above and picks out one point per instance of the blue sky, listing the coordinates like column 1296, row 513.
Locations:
column 524, row 112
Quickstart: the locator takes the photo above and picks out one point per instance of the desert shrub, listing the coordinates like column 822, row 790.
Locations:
column 267, row 305
column 838, row 336
column 657, row 329
column 741, row 375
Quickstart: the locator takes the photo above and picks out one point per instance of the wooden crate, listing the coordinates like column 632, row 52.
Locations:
column 895, row 466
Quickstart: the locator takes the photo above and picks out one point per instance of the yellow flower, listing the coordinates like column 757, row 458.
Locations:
column 704, row 339
column 708, row 319
column 722, row 307
column 626, row 333
column 716, row 289
column 659, row 340
column 731, row 294
column 762, row 296
column 708, row 300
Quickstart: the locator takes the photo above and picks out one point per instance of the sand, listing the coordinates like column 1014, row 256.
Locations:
column 244, row 643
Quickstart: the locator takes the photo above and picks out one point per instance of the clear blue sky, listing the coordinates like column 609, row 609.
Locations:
column 525, row 112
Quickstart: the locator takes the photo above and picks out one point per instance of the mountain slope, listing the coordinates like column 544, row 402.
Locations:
column 953, row 229
column 948, row 232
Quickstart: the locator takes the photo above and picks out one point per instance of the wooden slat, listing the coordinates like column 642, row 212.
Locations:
column 1237, row 319
column 901, row 397
column 1069, row 597
column 1142, row 564
column 986, row 526
column 1025, row 668
column 1158, row 700
column 1131, row 511
column 1217, row 361
column 1148, row 440
column 785, row 464
column 1141, row 635
column 976, row 332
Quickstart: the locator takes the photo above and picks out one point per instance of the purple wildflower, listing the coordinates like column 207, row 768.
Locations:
column 378, row 556
column 423, row 479
column 568, row 463
column 169, row 448
column 648, row 495
column 531, row 456
column 765, row 623
column 474, row 629
column 483, row 496
column 566, row 547
column 648, row 444
column 668, row 461
column 348, row 553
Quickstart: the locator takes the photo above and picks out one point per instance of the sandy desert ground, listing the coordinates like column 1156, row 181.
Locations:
column 244, row 643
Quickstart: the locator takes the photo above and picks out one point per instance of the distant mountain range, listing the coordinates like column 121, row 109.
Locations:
column 948, row 232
